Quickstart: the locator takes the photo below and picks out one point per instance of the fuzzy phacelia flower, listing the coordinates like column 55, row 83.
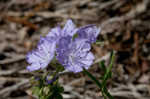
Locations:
column 42, row 55
column 75, row 55
column 89, row 32
column 57, row 33
column 72, row 47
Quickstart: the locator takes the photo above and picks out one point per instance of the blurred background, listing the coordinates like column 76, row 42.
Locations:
column 125, row 28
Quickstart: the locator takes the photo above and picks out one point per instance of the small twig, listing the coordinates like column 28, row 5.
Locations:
column 6, row 91
column 11, row 79
column 129, row 91
column 14, row 59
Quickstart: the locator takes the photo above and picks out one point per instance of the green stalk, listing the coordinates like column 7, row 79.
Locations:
column 92, row 78
column 102, row 85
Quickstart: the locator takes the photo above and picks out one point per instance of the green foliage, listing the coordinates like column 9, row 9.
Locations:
column 45, row 90
column 53, row 90
column 48, row 91
column 102, row 65
column 107, row 75
column 93, row 78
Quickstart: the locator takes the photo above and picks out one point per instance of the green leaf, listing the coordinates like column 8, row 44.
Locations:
column 92, row 78
column 108, row 71
column 59, row 96
column 107, row 75
column 36, row 90
column 61, row 89
column 102, row 65
column 107, row 93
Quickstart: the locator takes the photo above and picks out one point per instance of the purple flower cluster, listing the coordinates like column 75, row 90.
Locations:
column 72, row 52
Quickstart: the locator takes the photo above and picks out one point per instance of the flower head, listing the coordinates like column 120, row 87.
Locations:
column 55, row 33
column 75, row 55
column 89, row 32
column 68, row 30
column 41, row 57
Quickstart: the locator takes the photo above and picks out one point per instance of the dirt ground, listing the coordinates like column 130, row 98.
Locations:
column 125, row 28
